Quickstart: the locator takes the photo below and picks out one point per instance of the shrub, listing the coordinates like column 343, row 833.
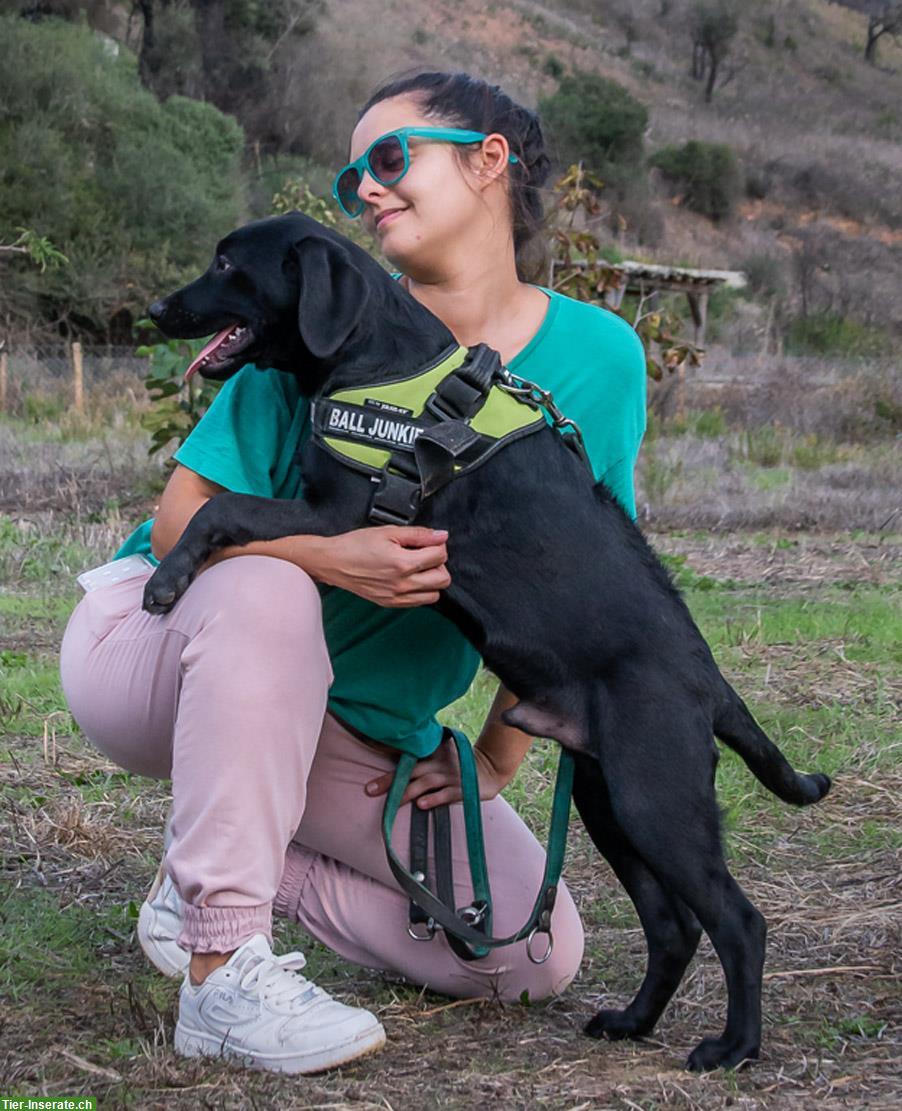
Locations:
column 657, row 476
column 812, row 453
column 710, row 424
column 764, row 273
column 828, row 333
column 553, row 66
column 888, row 411
column 762, row 446
column 707, row 173
column 596, row 121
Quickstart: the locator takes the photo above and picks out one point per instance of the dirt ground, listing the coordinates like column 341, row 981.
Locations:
column 85, row 1014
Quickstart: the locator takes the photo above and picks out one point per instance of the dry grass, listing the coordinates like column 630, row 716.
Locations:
column 766, row 441
column 831, row 990
column 75, row 464
column 81, row 840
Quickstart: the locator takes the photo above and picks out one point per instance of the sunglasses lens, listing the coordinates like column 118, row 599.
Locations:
column 348, row 184
column 387, row 160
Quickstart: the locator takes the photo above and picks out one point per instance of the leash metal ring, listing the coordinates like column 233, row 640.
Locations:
column 472, row 915
column 430, row 930
column 529, row 941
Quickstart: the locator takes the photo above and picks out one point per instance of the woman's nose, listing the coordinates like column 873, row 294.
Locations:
column 369, row 187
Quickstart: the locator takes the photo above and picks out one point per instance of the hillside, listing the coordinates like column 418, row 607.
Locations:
column 816, row 129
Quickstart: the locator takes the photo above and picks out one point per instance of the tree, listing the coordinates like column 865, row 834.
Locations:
column 596, row 121
column 713, row 26
column 884, row 18
column 131, row 191
column 225, row 52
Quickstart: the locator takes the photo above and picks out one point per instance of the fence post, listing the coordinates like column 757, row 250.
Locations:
column 78, row 379
column 4, row 379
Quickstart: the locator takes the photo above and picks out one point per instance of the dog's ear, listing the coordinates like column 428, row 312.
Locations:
column 333, row 295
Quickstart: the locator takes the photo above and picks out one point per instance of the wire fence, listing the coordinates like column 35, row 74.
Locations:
column 68, row 375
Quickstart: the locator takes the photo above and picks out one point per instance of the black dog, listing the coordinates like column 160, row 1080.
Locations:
column 551, row 582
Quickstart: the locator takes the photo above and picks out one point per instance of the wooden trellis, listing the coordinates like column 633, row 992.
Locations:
column 649, row 279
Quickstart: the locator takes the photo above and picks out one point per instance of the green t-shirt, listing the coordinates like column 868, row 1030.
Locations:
column 396, row 669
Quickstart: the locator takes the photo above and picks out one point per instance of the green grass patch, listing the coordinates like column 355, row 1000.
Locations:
column 771, row 479
column 46, row 947
column 29, row 695
column 48, row 559
column 864, row 618
column 17, row 609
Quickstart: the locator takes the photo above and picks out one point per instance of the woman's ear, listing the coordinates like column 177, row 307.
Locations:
column 333, row 295
column 492, row 158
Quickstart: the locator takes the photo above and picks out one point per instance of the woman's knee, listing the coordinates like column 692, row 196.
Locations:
column 121, row 692
column 261, row 597
column 519, row 975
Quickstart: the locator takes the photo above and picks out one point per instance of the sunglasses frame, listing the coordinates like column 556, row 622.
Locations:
column 361, row 164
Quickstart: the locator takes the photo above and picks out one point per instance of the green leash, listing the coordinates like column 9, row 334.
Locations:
column 472, row 924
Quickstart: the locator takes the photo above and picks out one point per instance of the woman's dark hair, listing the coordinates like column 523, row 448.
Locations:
column 459, row 100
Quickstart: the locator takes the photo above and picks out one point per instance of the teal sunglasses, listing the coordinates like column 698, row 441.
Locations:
column 387, row 160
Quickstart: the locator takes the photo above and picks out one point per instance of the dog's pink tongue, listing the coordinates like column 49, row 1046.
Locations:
column 219, row 338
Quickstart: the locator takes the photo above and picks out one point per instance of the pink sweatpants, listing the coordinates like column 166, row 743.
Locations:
column 227, row 696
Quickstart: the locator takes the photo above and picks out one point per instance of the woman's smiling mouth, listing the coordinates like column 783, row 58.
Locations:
column 384, row 218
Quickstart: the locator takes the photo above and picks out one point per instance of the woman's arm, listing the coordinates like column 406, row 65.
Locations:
column 391, row 566
column 499, row 751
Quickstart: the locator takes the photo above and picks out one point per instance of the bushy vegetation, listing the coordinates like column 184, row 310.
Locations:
column 707, row 174
column 131, row 190
column 596, row 121
column 829, row 333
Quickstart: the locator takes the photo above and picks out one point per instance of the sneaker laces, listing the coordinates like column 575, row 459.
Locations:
column 275, row 979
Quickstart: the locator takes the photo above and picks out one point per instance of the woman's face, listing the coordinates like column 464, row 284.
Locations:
column 437, row 203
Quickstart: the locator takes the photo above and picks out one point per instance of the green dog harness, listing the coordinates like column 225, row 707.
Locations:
column 412, row 436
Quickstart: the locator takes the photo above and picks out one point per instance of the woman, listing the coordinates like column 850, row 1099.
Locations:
column 278, row 780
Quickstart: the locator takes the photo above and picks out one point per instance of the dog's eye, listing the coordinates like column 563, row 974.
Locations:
column 222, row 264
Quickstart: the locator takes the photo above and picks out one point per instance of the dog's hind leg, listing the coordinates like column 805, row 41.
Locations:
column 661, row 784
column 671, row 930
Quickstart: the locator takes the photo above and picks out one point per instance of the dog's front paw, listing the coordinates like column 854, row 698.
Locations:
column 616, row 1025
column 719, row 1053
column 164, row 588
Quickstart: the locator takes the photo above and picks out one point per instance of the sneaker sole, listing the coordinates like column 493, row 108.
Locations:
column 158, row 956
column 196, row 1043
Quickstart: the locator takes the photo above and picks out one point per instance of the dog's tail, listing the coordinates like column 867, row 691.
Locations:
column 736, row 727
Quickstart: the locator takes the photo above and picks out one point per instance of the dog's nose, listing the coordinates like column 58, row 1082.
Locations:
column 156, row 310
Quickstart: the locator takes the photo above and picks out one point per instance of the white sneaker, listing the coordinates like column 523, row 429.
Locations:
column 159, row 925
column 256, row 1009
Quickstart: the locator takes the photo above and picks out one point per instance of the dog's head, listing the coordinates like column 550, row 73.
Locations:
column 288, row 293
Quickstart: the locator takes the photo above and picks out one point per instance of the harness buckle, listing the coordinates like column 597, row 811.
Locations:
column 396, row 500
column 430, row 927
column 438, row 407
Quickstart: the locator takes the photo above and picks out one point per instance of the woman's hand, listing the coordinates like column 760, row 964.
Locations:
column 498, row 753
column 392, row 565
column 436, row 780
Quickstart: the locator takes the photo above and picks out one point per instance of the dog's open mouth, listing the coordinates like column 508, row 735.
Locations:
column 221, row 350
